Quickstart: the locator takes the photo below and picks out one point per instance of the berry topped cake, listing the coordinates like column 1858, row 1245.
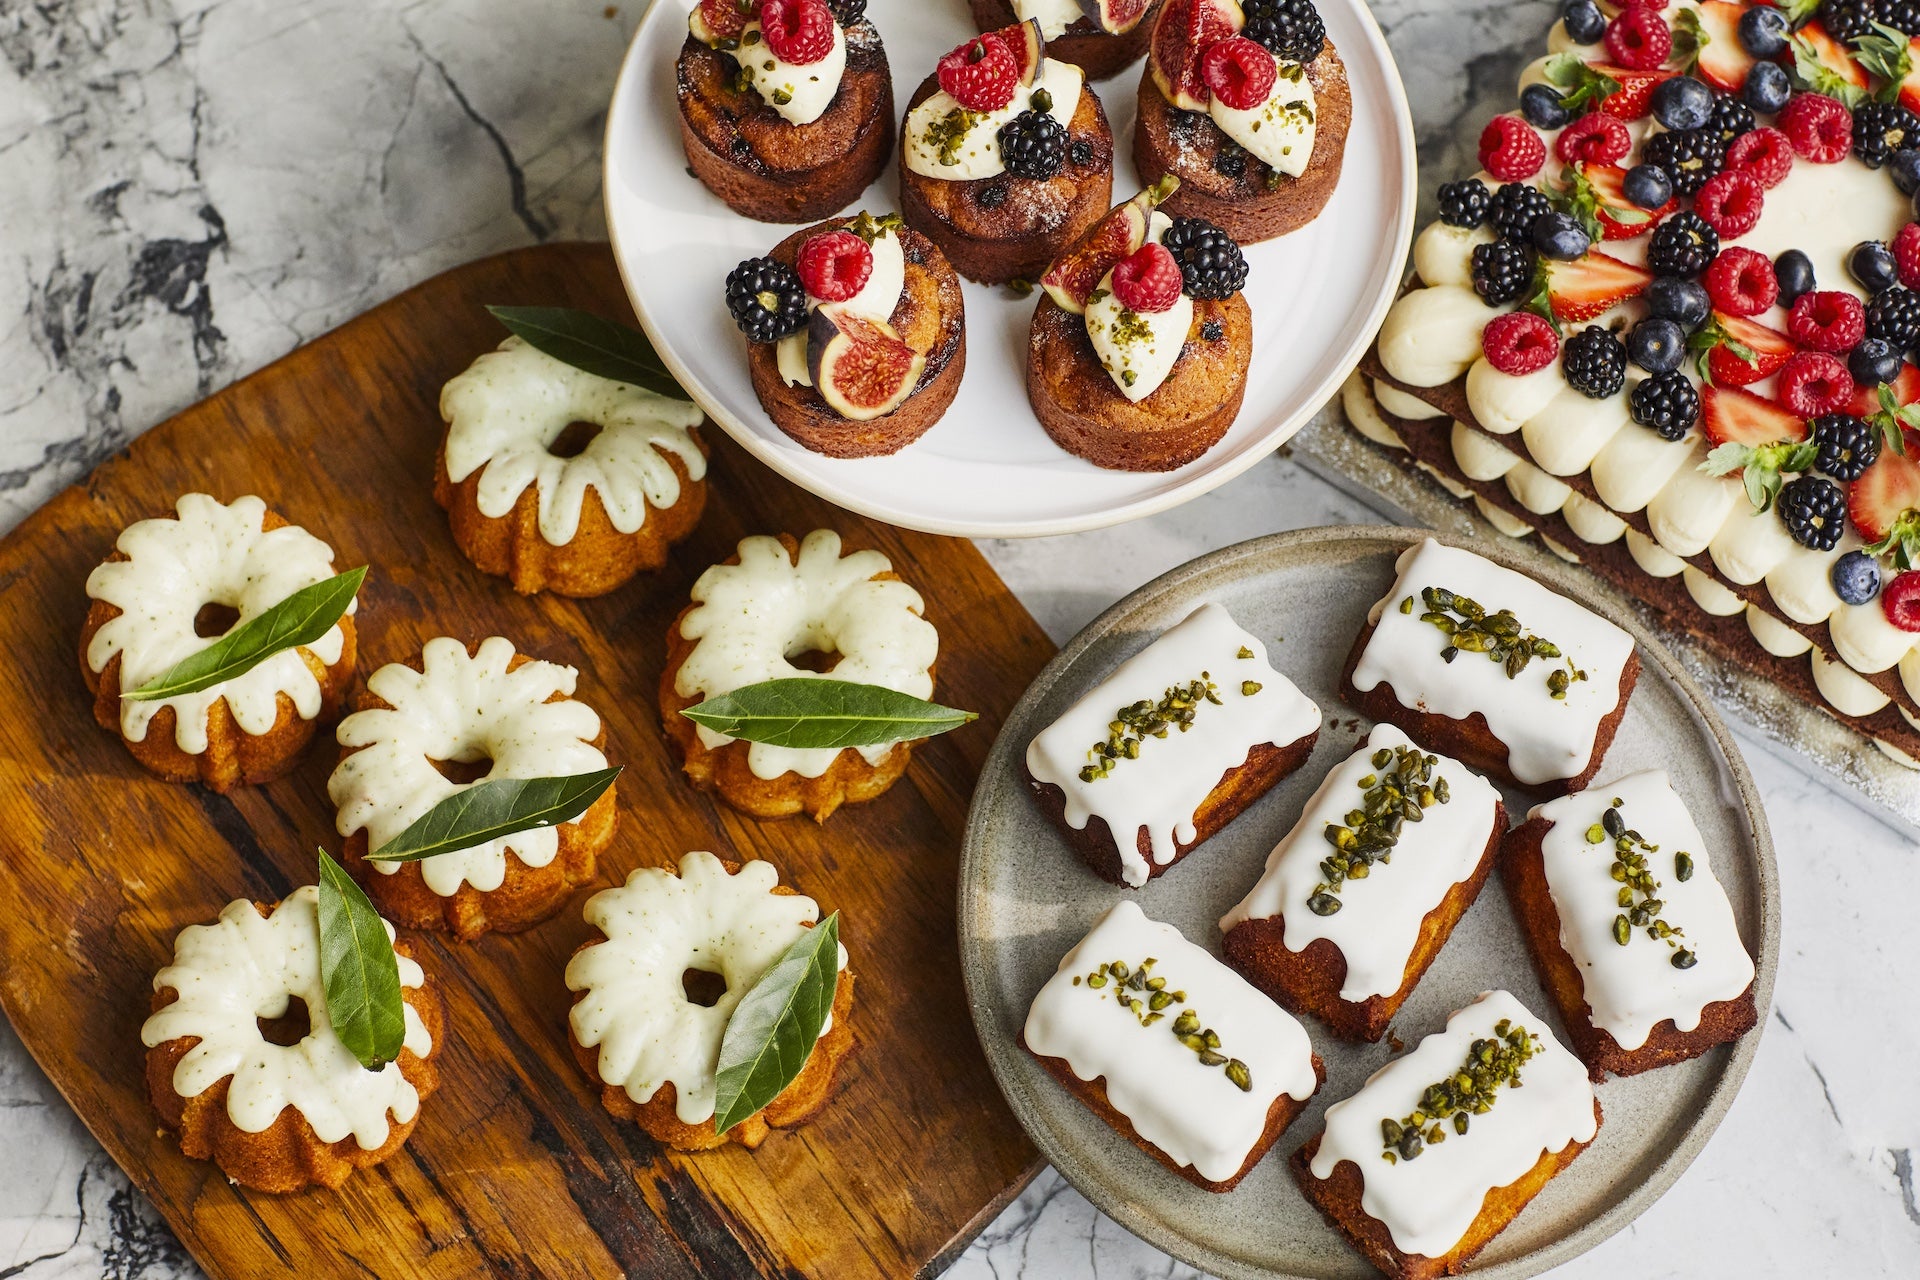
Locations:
column 1674, row 317
column 1101, row 37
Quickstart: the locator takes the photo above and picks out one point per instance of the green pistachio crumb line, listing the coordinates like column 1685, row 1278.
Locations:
column 1142, row 720
column 1470, row 1091
column 1398, row 791
column 1639, row 897
column 1146, row 997
column 1469, row 628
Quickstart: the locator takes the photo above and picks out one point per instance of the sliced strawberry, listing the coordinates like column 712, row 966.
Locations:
column 1634, row 98
column 1589, row 285
column 1729, row 415
column 1910, row 87
column 1833, row 55
column 1889, row 489
column 1770, row 348
column 1906, row 390
column 1609, row 189
column 1722, row 62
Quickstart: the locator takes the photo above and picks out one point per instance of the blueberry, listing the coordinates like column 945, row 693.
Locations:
column 1856, row 577
column 1684, row 302
column 1657, row 345
column 1916, row 206
column 1905, row 168
column 1767, row 88
column 1763, row 32
column 1874, row 361
column 1871, row 263
column 1794, row 270
column 1584, row 21
column 1541, row 105
column 1648, row 185
column 1559, row 235
column 1682, row 103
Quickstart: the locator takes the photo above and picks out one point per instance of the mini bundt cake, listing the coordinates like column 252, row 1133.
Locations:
column 442, row 716
column 273, row 1115
column 1101, row 45
column 206, row 569
column 560, row 480
column 774, row 601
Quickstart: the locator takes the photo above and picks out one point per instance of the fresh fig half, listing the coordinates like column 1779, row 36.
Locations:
column 1029, row 49
column 1119, row 235
column 1182, row 34
column 860, row 366
column 1116, row 17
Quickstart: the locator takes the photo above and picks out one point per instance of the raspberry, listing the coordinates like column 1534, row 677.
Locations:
column 1741, row 282
column 1240, row 72
column 798, row 32
column 1639, row 38
column 1906, row 255
column 1819, row 127
column 1828, row 320
column 1519, row 342
column 1149, row 281
column 1594, row 139
column 1731, row 203
column 1510, row 150
column 834, row 265
column 1813, row 382
column 1900, row 599
column 981, row 74
column 1767, row 154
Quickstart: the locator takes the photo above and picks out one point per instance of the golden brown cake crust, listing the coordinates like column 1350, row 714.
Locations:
column 762, row 166
column 724, row 771
column 1083, row 44
column 1471, row 741
column 233, row 756
column 1184, row 143
column 1032, row 222
column 1093, row 1094
column 1238, row 787
column 287, row 1155
column 594, row 561
column 526, row 896
column 1075, row 399
column 1308, row 981
column 930, row 317
column 1524, row 871
column 1338, row 1199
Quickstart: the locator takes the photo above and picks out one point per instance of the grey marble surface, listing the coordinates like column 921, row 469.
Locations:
column 190, row 188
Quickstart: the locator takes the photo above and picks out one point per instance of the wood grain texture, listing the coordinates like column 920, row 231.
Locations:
column 514, row 1168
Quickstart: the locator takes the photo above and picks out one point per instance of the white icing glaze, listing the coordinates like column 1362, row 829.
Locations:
column 877, row 299
column 753, row 617
column 1501, row 402
column 1692, row 506
column 1654, row 560
column 213, row 553
column 799, row 93
column 1710, row 594
column 1775, row 636
column 1428, row 1203
column 1546, row 738
column 1401, row 405
column 1535, row 490
column 504, row 411
column 1634, row 465
column 657, row 926
column 464, row 709
column 1592, row 522
column 1479, row 458
column 979, row 151
column 1846, row 690
column 1381, row 914
column 1865, row 640
column 1750, row 544
column 1280, row 128
column 1444, row 254
column 245, row 967
column 1502, row 519
column 1570, row 431
column 1189, row 1110
column 1432, row 335
column 1161, row 789
column 1055, row 15
column 1633, row 988
column 1364, row 416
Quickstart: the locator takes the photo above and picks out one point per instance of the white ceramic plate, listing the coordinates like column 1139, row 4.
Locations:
column 987, row 469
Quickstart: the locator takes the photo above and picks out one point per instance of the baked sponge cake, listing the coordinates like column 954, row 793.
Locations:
column 1629, row 929
column 1358, row 898
column 1172, row 1048
column 1171, row 747
column 1491, row 667
column 1442, row 1148
column 1101, row 38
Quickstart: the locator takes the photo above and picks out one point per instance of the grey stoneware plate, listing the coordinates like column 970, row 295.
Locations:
column 1025, row 899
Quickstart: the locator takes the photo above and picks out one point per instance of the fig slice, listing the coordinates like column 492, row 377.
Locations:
column 1117, row 236
column 1029, row 49
column 860, row 366
column 1116, row 17
column 1182, row 34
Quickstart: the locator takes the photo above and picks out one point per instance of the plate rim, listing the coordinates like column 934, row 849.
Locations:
column 1001, row 1053
column 1202, row 482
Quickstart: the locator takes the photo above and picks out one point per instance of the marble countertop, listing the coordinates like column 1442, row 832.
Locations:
column 194, row 187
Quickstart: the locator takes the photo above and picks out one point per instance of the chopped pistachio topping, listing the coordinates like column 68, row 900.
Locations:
column 1470, row 1091
column 1469, row 628
column 1146, row 997
column 870, row 228
column 1639, row 898
column 1397, row 792
column 1041, row 100
column 1244, row 652
column 949, row 133
column 1142, row 720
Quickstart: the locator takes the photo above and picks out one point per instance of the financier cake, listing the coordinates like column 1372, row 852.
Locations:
column 1101, row 37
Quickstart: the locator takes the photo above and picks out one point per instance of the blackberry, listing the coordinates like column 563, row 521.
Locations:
column 1848, row 446
column 1290, row 29
column 1033, row 145
column 1688, row 156
column 848, row 12
column 1464, row 203
column 1731, row 117
column 1683, row 245
column 1514, row 208
column 1847, row 20
column 1815, row 512
column 1230, row 161
column 1211, row 264
column 766, row 299
column 1894, row 314
column 1666, row 404
column 1902, row 15
column 1594, row 362
column 1882, row 128
column 1502, row 272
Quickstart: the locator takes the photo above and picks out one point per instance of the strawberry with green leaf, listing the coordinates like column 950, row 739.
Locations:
column 1886, row 56
column 1761, row 466
column 1586, row 287
column 1893, row 420
column 1884, row 505
column 1733, row 351
column 1707, row 39
column 1823, row 65
column 1596, row 195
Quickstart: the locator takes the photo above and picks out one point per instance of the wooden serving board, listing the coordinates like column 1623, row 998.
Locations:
column 514, row 1169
